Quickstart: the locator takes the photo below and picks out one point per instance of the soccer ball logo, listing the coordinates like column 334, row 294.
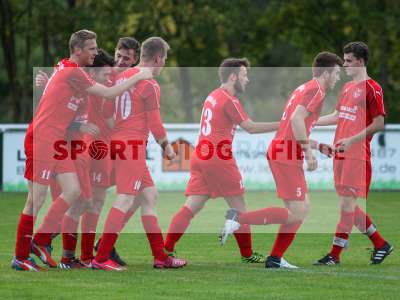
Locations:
column 98, row 150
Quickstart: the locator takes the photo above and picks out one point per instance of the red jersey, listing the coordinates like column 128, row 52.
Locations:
column 63, row 95
column 284, row 148
column 99, row 111
column 359, row 103
column 221, row 114
column 131, row 120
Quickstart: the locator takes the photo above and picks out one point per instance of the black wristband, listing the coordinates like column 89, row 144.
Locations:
column 164, row 145
column 74, row 126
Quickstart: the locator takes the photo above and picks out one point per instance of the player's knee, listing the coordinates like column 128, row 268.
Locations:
column 348, row 204
column 300, row 212
column 72, row 194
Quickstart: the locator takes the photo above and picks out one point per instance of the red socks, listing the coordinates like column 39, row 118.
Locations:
column 365, row 225
column 128, row 216
column 69, row 228
column 154, row 235
column 24, row 237
column 343, row 229
column 178, row 226
column 112, row 227
column 269, row 215
column 243, row 239
column 88, row 226
column 284, row 238
column 51, row 222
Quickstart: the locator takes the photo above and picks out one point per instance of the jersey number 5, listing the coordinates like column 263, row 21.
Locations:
column 206, row 126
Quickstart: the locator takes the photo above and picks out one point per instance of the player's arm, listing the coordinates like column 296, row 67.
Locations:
column 89, row 128
column 327, row 120
column 111, row 92
column 378, row 124
column 300, row 133
column 155, row 123
column 258, row 127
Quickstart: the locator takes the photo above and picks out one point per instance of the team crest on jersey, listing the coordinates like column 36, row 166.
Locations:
column 357, row 93
column 74, row 103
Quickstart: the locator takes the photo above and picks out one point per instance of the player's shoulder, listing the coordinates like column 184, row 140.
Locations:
column 373, row 85
column 311, row 87
column 127, row 73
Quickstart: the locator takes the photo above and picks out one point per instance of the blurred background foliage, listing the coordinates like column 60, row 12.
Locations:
column 271, row 33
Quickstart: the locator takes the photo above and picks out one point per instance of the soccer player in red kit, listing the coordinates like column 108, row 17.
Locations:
column 64, row 93
column 359, row 114
column 213, row 170
column 138, row 114
column 101, row 171
column 285, row 158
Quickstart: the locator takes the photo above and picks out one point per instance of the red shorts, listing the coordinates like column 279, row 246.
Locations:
column 352, row 177
column 102, row 172
column 42, row 170
column 289, row 180
column 132, row 175
column 83, row 172
column 214, row 177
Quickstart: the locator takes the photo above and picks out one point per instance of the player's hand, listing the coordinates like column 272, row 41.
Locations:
column 41, row 78
column 312, row 162
column 326, row 149
column 145, row 73
column 169, row 152
column 90, row 128
column 343, row 144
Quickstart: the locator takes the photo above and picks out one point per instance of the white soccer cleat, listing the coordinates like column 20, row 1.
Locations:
column 285, row 264
column 230, row 226
column 274, row 262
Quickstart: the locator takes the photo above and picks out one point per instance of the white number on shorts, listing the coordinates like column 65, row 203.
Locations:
column 46, row 174
column 298, row 192
column 96, row 177
column 137, row 185
column 125, row 104
column 206, row 127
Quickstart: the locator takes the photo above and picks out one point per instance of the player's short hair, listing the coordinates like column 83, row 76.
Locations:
column 79, row 38
column 128, row 43
column 231, row 65
column 325, row 61
column 103, row 58
column 359, row 50
column 153, row 46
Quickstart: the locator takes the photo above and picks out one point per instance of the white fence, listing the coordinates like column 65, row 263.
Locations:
column 249, row 151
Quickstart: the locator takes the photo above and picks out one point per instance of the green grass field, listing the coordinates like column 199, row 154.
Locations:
column 215, row 272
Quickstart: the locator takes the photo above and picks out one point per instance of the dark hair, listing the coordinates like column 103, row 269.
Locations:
column 325, row 61
column 231, row 65
column 103, row 59
column 129, row 43
column 153, row 46
column 79, row 38
column 359, row 50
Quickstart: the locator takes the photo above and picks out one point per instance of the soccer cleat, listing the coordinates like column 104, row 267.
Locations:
column 25, row 265
column 44, row 254
column 87, row 263
column 230, row 226
column 169, row 263
column 379, row 255
column 108, row 265
column 114, row 255
column 275, row 262
column 68, row 263
column 327, row 260
column 170, row 253
column 255, row 258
